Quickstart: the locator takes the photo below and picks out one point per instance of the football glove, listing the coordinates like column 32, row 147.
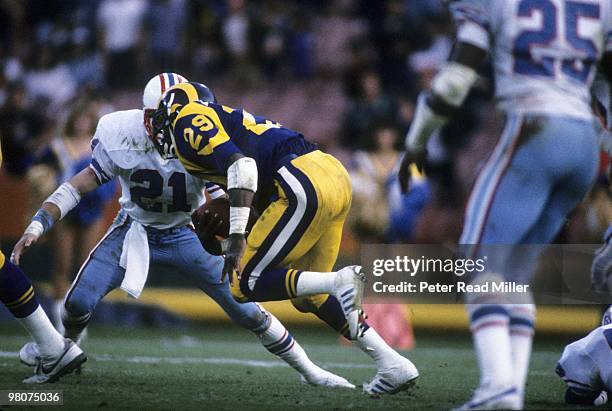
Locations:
column 412, row 166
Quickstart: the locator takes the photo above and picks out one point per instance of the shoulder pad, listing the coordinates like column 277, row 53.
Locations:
column 124, row 137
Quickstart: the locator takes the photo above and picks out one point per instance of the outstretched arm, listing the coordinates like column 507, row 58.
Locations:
column 450, row 87
column 54, row 208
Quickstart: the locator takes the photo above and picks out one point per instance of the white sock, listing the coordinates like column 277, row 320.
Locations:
column 491, row 335
column 374, row 346
column 522, row 317
column 312, row 283
column 278, row 341
column 49, row 341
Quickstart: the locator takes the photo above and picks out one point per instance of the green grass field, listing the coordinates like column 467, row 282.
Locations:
column 225, row 368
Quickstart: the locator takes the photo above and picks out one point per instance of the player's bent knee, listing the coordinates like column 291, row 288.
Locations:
column 250, row 316
column 76, row 306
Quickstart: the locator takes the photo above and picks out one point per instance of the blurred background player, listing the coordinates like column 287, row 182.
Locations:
column 63, row 158
column 293, row 246
column 545, row 56
column 586, row 368
column 152, row 227
column 57, row 356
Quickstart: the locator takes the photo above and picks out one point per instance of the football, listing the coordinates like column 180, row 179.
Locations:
column 219, row 206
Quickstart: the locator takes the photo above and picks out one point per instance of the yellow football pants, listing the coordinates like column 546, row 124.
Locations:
column 302, row 229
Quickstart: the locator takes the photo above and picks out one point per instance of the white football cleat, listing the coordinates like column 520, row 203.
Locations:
column 29, row 353
column 394, row 379
column 348, row 290
column 324, row 378
column 498, row 399
column 50, row 369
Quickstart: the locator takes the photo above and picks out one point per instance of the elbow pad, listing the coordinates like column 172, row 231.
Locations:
column 453, row 83
column 242, row 174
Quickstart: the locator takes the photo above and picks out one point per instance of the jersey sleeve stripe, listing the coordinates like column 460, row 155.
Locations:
column 97, row 174
column 94, row 143
column 100, row 174
column 214, row 191
column 464, row 13
column 211, row 187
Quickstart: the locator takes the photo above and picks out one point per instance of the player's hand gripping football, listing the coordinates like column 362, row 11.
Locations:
column 207, row 224
column 236, row 244
column 26, row 240
column 412, row 166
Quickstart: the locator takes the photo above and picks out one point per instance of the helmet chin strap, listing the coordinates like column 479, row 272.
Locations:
column 172, row 148
column 166, row 148
column 164, row 145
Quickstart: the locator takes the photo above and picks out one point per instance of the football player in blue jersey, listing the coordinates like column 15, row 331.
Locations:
column 292, row 248
column 58, row 356
column 545, row 55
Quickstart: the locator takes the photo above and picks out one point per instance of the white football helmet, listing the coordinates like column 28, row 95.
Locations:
column 153, row 91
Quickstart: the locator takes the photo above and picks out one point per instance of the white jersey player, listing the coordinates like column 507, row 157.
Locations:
column 152, row 228
column 545, row 55
column 586, row 366
column 155, row 192
column 544, row 52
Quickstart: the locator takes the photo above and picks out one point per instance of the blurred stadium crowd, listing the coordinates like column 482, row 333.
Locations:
column 346, row 73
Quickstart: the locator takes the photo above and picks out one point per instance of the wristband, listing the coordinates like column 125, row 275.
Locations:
column 35, row 228
column 239, row 218
column 44, row 219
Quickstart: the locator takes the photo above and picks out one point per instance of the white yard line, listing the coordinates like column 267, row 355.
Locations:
column 199, row 360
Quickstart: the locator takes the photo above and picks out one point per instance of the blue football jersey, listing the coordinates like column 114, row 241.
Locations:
column 206, row 135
